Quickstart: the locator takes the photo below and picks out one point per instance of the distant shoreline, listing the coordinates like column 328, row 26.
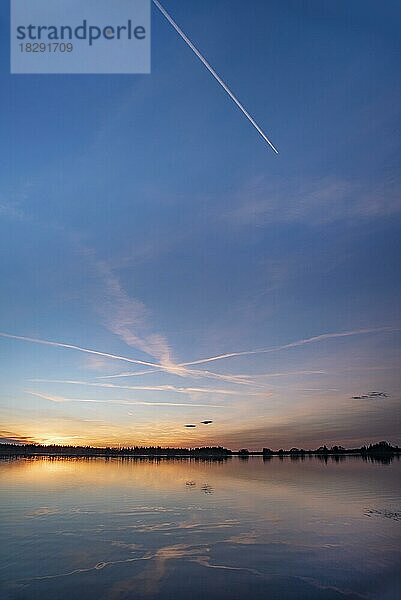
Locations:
column 380, row 449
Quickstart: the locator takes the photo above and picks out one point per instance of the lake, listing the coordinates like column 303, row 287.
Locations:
column 115, row 529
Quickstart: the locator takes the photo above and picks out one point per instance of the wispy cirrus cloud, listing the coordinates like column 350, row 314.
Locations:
column 129, row 319
column 126, row 317
column 316, row 202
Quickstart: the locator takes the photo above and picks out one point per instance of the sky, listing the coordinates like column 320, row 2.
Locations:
column 183, row 271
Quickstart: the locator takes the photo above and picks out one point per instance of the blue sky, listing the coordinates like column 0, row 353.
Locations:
column 142, row 216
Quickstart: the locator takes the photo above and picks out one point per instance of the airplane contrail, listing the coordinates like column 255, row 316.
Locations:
column 121, row 402
column 157, row 367
column 145, row 388
column 24, row 338
column 213, row 72
column 195, row 373
column 311, row 340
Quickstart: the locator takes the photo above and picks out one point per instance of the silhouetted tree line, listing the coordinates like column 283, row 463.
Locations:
column 380, row 449
column 53, row 449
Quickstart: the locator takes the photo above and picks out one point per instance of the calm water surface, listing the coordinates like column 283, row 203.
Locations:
column 177, row 529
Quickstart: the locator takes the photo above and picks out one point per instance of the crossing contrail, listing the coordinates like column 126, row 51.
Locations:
column 24, row 338
column 311, row 340
column 213, row 72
